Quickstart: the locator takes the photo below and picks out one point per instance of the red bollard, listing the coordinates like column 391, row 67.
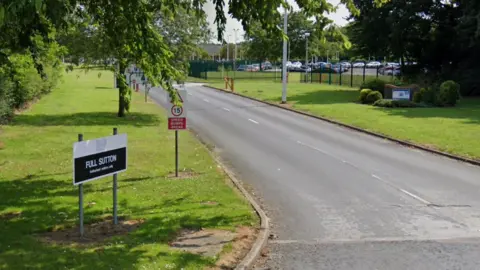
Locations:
column 136, row 87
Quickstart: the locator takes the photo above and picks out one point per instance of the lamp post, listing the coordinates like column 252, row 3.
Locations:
column 306, row 55
column 284, row 60
column 228, row 49
column 235, row 52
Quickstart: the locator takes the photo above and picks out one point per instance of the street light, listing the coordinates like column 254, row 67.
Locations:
column 306, row 55
column 228, row 50
column 235, row 53
column 284, row 60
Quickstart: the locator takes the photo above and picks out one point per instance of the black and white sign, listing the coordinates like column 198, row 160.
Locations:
column 98, row 158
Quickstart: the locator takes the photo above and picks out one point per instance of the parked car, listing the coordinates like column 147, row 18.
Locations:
column 388, row 67
column 346, row 64
column 338, row 68
column 396, row 71
column 256, row 67
column 297, row 64
column 374, row 64
column 266, row 65
column 358, row 65
column 250, row 68
column 242, row 68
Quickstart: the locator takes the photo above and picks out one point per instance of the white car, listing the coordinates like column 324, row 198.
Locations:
column 374, row 64
column 297, row 64
column 358, row 65
column 346, row 64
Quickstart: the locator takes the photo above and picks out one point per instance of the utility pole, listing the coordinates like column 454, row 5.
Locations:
column 235, row 53
column 228, row 47
column 284, row 60
column 306, row 55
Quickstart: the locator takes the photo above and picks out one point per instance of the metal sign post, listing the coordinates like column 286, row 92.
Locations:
column 94, row 159
column 115, row 219
column 176, row 153
column 80, row 198
column 177, row 120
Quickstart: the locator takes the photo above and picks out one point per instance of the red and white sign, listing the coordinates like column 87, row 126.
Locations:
column 177, row 115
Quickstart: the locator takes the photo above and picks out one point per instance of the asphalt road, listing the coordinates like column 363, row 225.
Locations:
column 339, row 199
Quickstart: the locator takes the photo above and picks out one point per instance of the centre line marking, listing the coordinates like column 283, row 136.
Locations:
column 414, row 196
column 206, row 100
column 402, row 190
column 189, row 94
column 253, row 121
column 226, row 109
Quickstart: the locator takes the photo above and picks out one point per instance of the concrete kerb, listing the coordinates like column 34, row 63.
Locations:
column 262, row 237
column 402, row 142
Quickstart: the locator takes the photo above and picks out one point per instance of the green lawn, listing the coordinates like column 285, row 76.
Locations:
column 454, row 130
column 37, row 194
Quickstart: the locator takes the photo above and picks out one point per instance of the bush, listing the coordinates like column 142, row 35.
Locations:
column 448, row 94
column 363, row 95
column 417, row 97
column 21, row 81
column 388, row 103
column 426, row 95
column 373, row 96
column 374, row 84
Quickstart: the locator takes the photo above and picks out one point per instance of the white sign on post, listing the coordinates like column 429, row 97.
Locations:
column 177, row 115
column 98, row 158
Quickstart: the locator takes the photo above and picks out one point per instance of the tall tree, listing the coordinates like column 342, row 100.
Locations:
column 127, row 28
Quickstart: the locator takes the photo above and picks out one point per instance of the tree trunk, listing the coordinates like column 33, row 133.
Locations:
column 122, row 89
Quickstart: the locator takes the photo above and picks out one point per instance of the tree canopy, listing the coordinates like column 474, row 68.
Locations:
column 443, row 37
column 127, row 29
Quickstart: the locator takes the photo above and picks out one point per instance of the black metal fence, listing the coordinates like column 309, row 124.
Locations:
column 349, row 75
column 244, row 69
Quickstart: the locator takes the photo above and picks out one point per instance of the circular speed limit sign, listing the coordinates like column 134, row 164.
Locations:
column 176, row 110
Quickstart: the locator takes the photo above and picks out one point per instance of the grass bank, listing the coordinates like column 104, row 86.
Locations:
column 37, row 194
column 452, row 130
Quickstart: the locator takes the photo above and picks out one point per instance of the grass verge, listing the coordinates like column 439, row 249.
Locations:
column 38, row 195
column 453, row 130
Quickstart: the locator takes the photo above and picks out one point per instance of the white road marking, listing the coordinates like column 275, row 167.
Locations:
column 414, row 196
column 317, row 149
column 189, row 94
column 226, row 109
column 253, row 121
column 206, row 100
column 402, row 190
column 373, row 175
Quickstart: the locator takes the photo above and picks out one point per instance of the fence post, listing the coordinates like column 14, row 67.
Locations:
column 330, row 75
column 340, row 74
column 351, row 75
column 321, row 69
column 364, row 69
column 377, row 71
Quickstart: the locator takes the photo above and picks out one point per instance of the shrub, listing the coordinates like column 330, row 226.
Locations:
column 374, row 84
column 388, row 103
column 373, row 96
column 363, row 95
column 426, row 95
column 417, row 97
column 448, row 94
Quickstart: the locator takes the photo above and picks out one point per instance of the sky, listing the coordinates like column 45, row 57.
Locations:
column 338, row 17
